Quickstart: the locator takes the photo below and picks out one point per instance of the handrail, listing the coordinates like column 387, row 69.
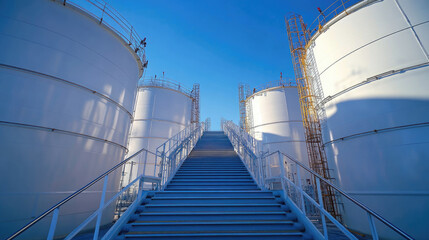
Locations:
column 123, row 28
column 230, row 128
column 71, row 196
column 175, row 150
column 361, row 205
column 337, row 7
column 166, row 83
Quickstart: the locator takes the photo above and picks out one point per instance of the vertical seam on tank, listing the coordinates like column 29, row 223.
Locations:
column 412, row 29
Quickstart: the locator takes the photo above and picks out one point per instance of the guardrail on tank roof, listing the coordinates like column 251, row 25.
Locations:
column 271, row 84
column 337, row 7
column 165, row 83
column 108, row 16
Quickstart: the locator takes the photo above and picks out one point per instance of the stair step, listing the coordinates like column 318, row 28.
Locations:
column 233, row 193
column 212, row 207
column 207, row 200
column 208, row 187
column 213, row 177
column 223, row 235
column 215, row 226
column 215, row 216
column 211, row 174
column 214, row 180
column 195, row 183
column 205, row 189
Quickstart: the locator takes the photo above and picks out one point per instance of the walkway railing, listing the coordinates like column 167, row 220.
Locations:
column 108, row 16
column 175, row 150
column 165, row 83
column 169, row 156
column 333, row 10
column 55, row 210
column 277, row 167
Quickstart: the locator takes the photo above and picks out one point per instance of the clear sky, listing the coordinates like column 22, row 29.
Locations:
column 217, row 43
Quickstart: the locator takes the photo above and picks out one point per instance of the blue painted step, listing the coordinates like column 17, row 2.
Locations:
column 213, row 196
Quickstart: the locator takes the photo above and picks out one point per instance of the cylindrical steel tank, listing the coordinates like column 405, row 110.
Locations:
column 163, row 109
column 369, row 67
column 67, row 89
column 273, row 117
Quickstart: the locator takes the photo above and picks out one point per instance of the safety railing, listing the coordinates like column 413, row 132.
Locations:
column 108, row 16
column 175, row 150
column 168, row 158
column 277, row 170
column 333, row 10
column 165, row 83
column 272, row 84
column 96, row 215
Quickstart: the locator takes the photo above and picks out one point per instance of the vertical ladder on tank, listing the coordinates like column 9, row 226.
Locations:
column 299, row 37
column 242, row 96
column 195, row 118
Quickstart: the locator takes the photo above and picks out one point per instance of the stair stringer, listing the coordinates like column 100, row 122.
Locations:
column 309, row 226
column 116, row 228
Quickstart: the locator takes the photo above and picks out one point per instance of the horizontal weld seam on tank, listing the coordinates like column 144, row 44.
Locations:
column 69, row 83
column 167, row 88
column 160, row 120
column 58, row 192
column 388, row 193
column 370, row 80
column 385, row 36
column 302, row 141
column 23, row 125
column 149, row 137
column 375, row 131
column 297, row 121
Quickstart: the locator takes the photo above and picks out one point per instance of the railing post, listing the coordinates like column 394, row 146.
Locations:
column 322, row 216
column 372, row 226
column 282, row 170
column 103, row 196
column 53, row 224
column 102, row 14
column 140, row 191
column 298, row 175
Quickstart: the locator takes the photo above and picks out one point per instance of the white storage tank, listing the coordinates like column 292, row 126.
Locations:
column 273, row 117
column 163, row 109
column 67, row 89
column 372, row 66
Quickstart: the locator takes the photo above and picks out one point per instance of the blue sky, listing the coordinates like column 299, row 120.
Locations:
column 217, row 43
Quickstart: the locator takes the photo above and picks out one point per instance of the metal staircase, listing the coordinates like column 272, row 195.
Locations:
column 212, row 185
column 213, row 196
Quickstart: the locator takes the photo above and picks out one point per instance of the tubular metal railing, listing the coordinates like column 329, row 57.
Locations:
column 277, row 167
column 103, row 204
column 169, row 156
column 333, row 10
column 165, row 83
column 108, row 16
